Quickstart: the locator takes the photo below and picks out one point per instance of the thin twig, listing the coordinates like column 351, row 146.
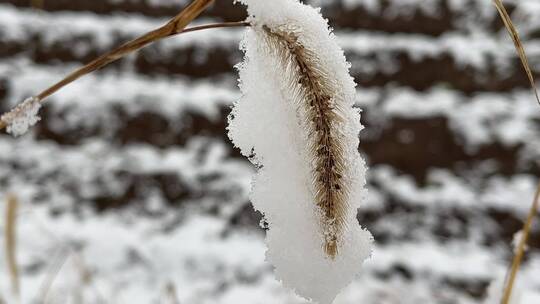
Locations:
column 517, row 43
column 173, row 27
column 520, row 252
column 11, row 243
column 214, row 25
column 518, row 256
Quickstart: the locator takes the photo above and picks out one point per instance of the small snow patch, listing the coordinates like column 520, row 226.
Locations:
column 22, row 117
column 518, row 236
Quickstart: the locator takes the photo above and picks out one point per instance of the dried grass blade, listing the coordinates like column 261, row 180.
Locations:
column 517, row 43
column 176, row 25
column 173, row 27
column 11, row 243
column 520, row 252
column 518, row 256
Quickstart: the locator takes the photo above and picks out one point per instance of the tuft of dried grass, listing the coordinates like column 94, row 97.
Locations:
column 10, row 238
column 520, row 252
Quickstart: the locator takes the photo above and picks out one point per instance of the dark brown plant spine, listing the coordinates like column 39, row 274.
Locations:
column 315, row 92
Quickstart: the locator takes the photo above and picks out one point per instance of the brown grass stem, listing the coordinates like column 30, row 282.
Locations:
column 517, row 43
column 520, row 252
column 11, row 243
column 214, row 25
column 173, row 27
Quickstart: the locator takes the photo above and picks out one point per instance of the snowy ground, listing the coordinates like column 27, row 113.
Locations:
column 131, row 193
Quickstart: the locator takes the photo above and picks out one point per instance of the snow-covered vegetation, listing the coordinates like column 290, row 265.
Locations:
column 130, row 191
column 296, row 121
column 22, row 117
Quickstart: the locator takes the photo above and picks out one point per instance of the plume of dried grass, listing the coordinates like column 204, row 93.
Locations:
column 314, row 91
column 520, row 252
column 11, row 243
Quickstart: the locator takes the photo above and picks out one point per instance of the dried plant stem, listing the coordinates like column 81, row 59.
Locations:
column 517, row 43
column 173, row 27
column 11, row 243
column 176, row 25
column 215, row 25
column 518, row 256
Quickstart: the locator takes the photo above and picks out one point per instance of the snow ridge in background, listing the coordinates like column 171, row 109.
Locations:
column 266, row 126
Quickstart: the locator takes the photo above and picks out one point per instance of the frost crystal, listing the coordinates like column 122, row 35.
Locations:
column 22, row 117
column 296, row 122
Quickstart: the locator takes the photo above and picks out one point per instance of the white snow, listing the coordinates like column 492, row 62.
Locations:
column 22, row 117
column 516, row 240
column 199, row 256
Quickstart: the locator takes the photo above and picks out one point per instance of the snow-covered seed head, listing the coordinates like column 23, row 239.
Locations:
column 22, row 117
column 296, row 121
column 315, row 97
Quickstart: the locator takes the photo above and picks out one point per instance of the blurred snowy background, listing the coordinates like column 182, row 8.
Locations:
column 130, row 191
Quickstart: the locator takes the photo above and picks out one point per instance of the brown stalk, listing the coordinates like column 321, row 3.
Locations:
column 520, row 252
column 173, row 27
column 517, row 43
column 11, row 243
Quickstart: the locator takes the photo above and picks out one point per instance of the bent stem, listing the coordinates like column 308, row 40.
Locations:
column 518, row 256
column 512, row 31
column 175, row 26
